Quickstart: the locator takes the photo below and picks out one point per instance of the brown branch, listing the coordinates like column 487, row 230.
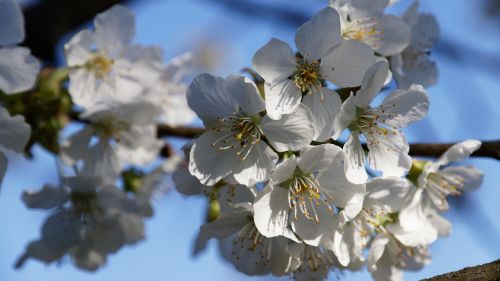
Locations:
column 485, row 272
column 490, row 149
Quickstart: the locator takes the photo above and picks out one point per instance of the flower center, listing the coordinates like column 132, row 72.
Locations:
column 442, row 184
column 364, row 30
column 308, row 75
column 100, row 65
column 240, row 131
column 304, row 194
column 85, row 203
column 109, row 127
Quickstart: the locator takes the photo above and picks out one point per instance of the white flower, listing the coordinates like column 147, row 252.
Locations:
column 103, row 67
column 90, row 221
column 384, row 198
column 366, row 22
column 169, row 92
column 388, row 258
column 323, row 56
column 413, row 65
column 14, row 134
column 303, row 193
column 380, row 126
column 315, row 264
column 18, row 68
column 439, row 182
column 233, row 145
column 251, row 252
column 126, row 135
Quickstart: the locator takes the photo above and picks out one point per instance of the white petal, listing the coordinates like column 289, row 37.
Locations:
column 387, row 270
column 224, row 226
column 387, row 193
column 284, row 171
column 281, row 98
column 210, row 98
column 346, row 195
column 425, row 33
column 403, row 107
column 316, row 233
column 345, row 117
column 442, row 225
column 324, row 107
column 18, row 70
column 75, row 147
column 257, row 166
column 102, row 161
column 15, row 133
column 46, row 198
column 347, row 63
column 340, row 248
column 275, row 61
column 459, row 152
column 114, row 28
column 355, row 159
column 395, row 37
column 133, row 228
column 280, row 260
column 372, row 83
column 246, row 93
column 178, row 67
column 12, row 23
column 318, row 158
column 78, row 50
column 376, row 251
column 186, row 183
column 315, row 37
column 208, row 163
column 271, row 213
column 472, row 177
column 425, row 235
column 291, row 132
column 388, row 152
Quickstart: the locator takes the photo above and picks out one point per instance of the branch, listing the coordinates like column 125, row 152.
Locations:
column 485, row 272
column 490, row 149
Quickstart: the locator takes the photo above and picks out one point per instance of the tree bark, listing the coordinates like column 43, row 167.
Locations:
column 485, row 272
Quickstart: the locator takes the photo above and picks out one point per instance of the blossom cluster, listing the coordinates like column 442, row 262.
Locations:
column 320, row 151
column 306, row 169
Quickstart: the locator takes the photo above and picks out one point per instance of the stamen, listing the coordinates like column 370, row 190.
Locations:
column 241, row 132
column 308, row 76
column 364, row 30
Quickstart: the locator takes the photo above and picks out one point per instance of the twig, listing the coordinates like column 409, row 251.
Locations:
column 490, row 149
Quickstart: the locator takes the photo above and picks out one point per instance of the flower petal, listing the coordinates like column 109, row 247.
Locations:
column 12, row 23
column 403, row 107
column 316, row 233
column 271, row 212
column 324, row 107
column 317, row 158
column 315, row 37
column 372, row 83
column 114, row 28
column 346, row 64
column 284, row 170
column 472, row 177
column 459, row 152
column 15, row 133
column 292, row 132
column 257, row 166
column 275, row 61
column 355, row 159
column 396, row 35
column 18, row 70
column 208, row 163
column 46, row 198
column 387, row 194
column 281, row 98
column 388, row 152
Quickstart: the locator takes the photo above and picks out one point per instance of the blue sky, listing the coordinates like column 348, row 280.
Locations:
column 463, row 105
